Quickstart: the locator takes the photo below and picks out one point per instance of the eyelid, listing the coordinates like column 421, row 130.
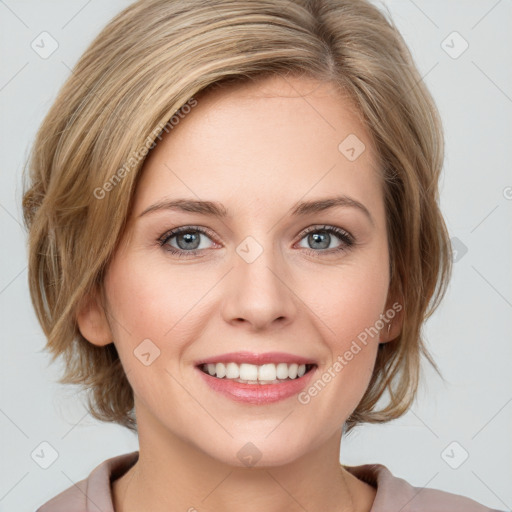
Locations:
column 329, row 228
column 207, row 231
column 184, row 229
column 346, row 238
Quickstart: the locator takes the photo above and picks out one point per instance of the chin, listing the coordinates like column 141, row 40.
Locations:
column 259, row 451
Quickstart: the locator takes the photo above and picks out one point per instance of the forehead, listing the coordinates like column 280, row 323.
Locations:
column 279, row 139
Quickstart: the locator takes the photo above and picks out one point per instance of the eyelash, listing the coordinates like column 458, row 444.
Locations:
column 344, row 236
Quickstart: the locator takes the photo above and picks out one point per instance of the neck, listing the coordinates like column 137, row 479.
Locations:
column 173, row 475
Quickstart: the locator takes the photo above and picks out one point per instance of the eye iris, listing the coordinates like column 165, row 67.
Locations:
column 189, row 237
column 315, row 239
column 189, row 240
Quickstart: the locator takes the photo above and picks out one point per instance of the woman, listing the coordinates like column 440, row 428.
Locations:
column 235, row 239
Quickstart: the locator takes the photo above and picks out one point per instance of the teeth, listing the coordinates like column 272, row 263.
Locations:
column 253, row 374
column 282, row 371
column 220, row 370
column 267, row 372
column 232, row 371
column 248, row 371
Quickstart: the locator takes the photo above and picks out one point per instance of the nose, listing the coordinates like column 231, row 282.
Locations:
column 259, row 292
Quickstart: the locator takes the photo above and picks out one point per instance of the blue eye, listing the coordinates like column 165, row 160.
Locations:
column 320, row 237
column 188, row 240
column 188, row 244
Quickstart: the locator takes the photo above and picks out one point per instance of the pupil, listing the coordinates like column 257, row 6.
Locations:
column 189, row 238
column 315, row 239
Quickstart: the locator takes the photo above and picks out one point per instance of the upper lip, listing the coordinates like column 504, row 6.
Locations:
column 256, row 359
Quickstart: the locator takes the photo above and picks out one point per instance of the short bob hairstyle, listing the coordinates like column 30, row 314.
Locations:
column 142, row 72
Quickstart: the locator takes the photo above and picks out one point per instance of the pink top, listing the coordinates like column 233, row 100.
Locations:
column 94, row 493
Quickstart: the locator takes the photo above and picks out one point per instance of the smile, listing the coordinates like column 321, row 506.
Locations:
column 245, row 373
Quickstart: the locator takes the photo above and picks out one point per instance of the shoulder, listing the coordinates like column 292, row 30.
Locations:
column 93, row 492
column 395, row 493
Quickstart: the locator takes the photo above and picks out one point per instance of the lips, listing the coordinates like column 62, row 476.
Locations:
column 257, row 389
column 256, row 359
column 256, row 394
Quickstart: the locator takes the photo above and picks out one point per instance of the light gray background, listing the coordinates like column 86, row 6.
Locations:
column 469, row 335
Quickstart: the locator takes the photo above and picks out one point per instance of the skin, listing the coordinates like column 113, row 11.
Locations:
column 258, row 149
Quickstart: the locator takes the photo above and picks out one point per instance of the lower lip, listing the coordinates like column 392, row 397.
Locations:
column 257, row 393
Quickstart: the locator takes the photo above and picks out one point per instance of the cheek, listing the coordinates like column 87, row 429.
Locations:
column 359, row 304
column 342, row 380
column 346, row 301
column 149, row 300
column 348, row 305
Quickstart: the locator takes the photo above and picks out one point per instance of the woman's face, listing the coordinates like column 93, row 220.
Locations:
column 305, row 284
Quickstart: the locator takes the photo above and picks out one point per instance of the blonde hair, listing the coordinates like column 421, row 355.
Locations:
column 138, row 73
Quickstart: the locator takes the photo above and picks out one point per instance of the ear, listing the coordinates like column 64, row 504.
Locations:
column 92, row 320
column 392, row 317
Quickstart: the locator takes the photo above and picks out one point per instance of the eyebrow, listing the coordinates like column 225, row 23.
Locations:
column 215, row 209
